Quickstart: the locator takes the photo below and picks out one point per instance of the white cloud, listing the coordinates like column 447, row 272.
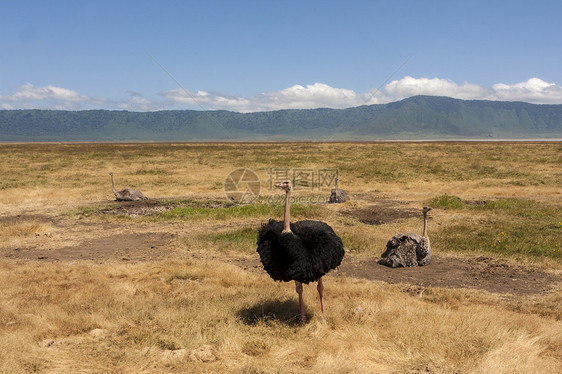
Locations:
column 184, row 96
column 534, row 90
column 136, row 103
column 317, row 95
column 29, row 96
column 409, row 86
column 29, row 92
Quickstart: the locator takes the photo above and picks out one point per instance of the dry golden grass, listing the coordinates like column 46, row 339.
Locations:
column 148, row 309
column 51, row 173
column 137, row 317
column 16, row 233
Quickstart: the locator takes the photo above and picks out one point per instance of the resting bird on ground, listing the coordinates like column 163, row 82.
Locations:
column 338, row 195
column 128, row 194
column 302, row 251
column 406, row 250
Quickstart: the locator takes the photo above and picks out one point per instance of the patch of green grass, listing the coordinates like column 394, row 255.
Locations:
column 513, row 228
column 208, row 203
column 502, row 238
column 241, row 240
column 194, row 212
column 446, row 202
column 152, row 172
column 242, row 211
column 510, row 206
column 359, row 243
column 9, row 183
column 240, row 235
column 483, row 170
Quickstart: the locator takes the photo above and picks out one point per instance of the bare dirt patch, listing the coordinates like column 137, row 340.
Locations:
column 481, row 273
column 378, row 209
column 378, row 214
column 125, row 247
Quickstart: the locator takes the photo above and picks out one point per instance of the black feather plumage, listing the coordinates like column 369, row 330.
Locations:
column 304, row 255
column 406, row 250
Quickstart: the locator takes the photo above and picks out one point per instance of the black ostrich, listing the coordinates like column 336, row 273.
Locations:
column 302, row 251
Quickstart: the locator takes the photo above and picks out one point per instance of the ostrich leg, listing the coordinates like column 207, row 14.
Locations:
column 298, row 286
column 320, row 289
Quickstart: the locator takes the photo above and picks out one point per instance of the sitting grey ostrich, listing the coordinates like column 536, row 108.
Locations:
column 301, row 251
column 408, row 249
column 338, row 195
column 128, row 194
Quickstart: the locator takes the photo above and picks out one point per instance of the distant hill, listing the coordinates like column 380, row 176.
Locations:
column 419, row 117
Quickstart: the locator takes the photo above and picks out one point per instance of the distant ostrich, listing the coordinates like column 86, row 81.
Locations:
column 128, row 194
column 302, row 251
column 408, row 249
column 338, row 195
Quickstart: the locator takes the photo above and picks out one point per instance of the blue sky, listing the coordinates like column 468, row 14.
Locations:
column 266, row 55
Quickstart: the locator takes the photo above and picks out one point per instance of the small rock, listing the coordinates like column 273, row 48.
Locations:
column 205, row 353
column 98, row 333
column 358, row 310
column 170, row 356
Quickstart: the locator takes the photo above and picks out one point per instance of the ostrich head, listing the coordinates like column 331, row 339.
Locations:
column 286, row 185
column 426, row 209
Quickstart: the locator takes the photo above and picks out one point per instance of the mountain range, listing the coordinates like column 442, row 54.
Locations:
column 418, row 117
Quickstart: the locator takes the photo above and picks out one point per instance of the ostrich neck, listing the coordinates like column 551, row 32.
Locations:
column 424, row 225
column 113, row 185
column 287, row 218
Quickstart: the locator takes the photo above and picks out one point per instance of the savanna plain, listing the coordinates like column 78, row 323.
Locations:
column 174, row 284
